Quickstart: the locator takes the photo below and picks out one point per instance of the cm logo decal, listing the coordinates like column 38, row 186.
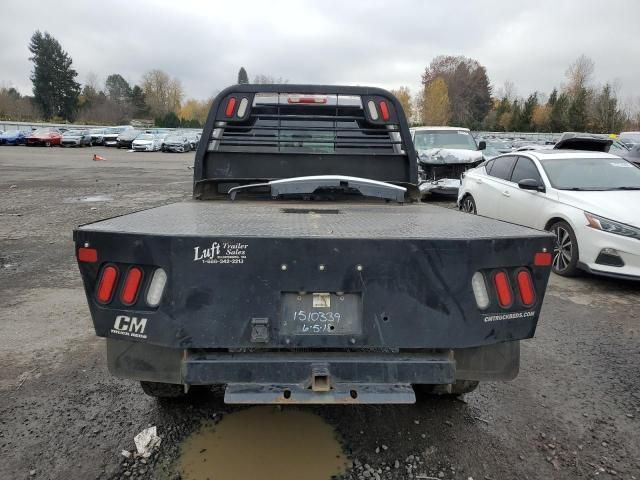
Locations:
column 130, row 326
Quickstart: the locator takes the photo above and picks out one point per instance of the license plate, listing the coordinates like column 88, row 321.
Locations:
column 321, row 314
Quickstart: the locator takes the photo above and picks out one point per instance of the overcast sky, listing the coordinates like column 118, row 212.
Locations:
column 367, row 42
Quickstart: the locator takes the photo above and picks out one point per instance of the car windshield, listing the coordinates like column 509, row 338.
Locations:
column 633, row 137
column 115, row 130
column 591, row 174
column 618, row 148
column 175, row 138
column 73, row 132
column 42, row 131
column 459, row 139
column 145, row 136
column 12, row 132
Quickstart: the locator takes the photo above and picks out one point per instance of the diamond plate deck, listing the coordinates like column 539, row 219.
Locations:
column 282, row 219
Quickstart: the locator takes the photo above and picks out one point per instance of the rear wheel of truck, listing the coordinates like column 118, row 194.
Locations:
column 163, row 390
column 460, row 387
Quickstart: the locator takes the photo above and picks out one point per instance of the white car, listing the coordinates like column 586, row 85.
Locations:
column 588, row 199
column 147, row 142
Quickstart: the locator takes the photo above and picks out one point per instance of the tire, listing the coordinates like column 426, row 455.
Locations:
column 163, row 390
column 47, row 144
column 460, row 387
column 565, row 251
column 468, row 205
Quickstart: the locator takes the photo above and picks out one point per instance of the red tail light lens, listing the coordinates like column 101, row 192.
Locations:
column 384, row 110
column 526, row 289
column 88, row 255
column 107, row 284
column 131, row 286
column 542, row 259
column 503, row 289
column 231, row 106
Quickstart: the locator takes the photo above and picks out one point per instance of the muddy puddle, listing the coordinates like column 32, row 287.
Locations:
column 264, row 443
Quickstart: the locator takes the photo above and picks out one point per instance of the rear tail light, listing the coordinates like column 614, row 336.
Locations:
column 373, row 111
column 503, row 289
column 156, row 287
column 231, row 105
column 480, row 290
column 88, row 255
column 131, row 286
column 526, row 288
column 384, row 110
column 107, row 284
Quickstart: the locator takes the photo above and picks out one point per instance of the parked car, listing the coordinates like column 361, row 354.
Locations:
column 110, row 137
column 76, row 138
column 13, row 137
column 177, row 143
column 584, row 198
column 147, row 142
column 194, row 139
column 126, row 138
column 630, row 139
column 443, row 154
column 634, row 155
column 97, row 135
column 47, row 137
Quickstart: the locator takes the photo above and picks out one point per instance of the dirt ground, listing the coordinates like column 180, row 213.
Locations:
column 573, row 412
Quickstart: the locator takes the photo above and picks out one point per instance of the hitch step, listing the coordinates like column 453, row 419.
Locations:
column 340, row 393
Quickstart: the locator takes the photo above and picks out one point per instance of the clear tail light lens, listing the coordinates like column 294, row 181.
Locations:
column 480, row 290
column 373, row 111
column 156, row 287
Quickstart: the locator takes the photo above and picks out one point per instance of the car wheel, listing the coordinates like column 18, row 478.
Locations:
column 468, row 205
column 565, row 250
column 47, row 144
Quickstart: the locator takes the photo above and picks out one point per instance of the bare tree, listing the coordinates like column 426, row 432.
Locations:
column 579, row 74
column 162, row 93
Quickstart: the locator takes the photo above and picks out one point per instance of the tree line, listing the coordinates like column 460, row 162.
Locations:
column 456, row 91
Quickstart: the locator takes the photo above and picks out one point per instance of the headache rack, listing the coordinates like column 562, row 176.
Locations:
column 268, row 132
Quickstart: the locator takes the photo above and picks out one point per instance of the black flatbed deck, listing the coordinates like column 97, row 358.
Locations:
column 312, row 219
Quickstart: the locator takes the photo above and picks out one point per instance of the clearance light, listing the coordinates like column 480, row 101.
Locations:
column 131, row 286
column 107, row 284
column 503, row 289
column 373, row 111
column 542, row 259
column 242, row 108
column 88, row 255
column 231, row 105
column 480, row 290
column 384, row 110
column 156, row 287
column 525, row 286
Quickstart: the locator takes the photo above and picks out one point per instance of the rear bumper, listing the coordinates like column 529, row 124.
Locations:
column 265, row 377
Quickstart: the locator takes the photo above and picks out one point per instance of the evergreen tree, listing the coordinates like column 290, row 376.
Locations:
column 577, row 112
column 137, row 101
column 55, row 90
column 117, row 89
column 527, row 112
column 559, row 121
column 242, row 76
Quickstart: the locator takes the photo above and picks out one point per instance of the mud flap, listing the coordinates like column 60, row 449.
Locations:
column 252, row 393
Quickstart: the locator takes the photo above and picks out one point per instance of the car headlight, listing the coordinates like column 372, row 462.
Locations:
column 606, row 225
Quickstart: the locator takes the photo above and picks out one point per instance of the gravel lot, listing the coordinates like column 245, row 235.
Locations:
column 574, row 411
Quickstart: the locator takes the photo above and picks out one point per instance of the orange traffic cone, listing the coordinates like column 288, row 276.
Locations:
column 97, row 157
